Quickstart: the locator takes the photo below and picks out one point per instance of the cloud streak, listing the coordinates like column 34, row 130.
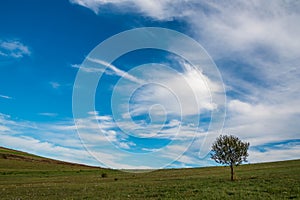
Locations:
column 48, row 114
column 54, row 85
column 116, row 71
column 5, row 97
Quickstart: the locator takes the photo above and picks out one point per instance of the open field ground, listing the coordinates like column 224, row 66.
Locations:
column 25, row 176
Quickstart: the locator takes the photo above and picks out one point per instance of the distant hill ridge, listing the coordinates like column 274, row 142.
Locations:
column 10, row 154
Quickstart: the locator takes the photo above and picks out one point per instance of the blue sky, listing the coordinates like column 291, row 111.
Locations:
column 255, row 46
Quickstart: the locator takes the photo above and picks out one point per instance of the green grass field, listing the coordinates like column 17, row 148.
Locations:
column 25, row 176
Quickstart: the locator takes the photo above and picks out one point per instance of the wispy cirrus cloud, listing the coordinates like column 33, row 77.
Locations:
column 14, row 49
column 113, row 70
column 47, row 114
column 181, row 93
column 54, row 85
column 5, row 97
column 160, row 10
column 87, row 69
column 256, row 45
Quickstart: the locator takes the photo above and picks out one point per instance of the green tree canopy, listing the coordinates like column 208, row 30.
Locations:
column 229, row 150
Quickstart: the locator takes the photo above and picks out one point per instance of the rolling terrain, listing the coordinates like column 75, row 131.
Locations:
column 26, row 176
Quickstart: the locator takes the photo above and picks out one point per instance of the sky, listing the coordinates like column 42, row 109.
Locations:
column 229, row 67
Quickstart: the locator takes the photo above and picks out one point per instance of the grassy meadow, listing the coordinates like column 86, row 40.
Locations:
column 25, row 176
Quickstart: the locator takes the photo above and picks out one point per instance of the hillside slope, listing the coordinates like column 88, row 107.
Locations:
column 26, row 176
column 13, row 159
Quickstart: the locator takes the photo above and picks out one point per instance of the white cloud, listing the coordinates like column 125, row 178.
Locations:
column 115, row 71
column 47, row 114
column 13, row 49
column 154, row 8
column 236, row 26
column 241, row 27
column 263, row 123
column 87, row 69
column 5, row 97
column 165, row 91
column 4, row 128
column 54, row 85
column 274, row 154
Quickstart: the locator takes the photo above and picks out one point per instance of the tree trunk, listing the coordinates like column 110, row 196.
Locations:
column 232, row 173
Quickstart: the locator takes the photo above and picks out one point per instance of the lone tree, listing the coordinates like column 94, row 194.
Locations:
column 229, row 150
